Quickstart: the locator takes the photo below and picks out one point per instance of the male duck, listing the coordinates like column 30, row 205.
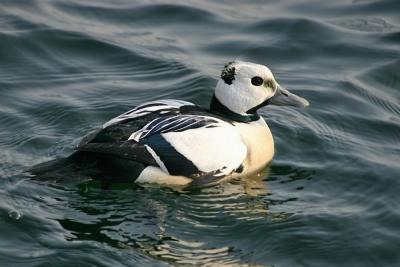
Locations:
column 175, row 142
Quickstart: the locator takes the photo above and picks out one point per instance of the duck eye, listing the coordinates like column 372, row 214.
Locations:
column 257, row 81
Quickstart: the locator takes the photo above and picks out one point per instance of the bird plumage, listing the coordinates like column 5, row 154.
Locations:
column 178, row 142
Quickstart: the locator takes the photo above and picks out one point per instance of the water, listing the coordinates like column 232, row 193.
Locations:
column 331, row 195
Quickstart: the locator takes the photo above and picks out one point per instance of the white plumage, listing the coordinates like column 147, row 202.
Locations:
column 210, row 149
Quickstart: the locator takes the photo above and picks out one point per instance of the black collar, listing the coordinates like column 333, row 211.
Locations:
column 218, row 108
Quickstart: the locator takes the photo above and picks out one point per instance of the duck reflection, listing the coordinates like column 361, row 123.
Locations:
column 192, row 227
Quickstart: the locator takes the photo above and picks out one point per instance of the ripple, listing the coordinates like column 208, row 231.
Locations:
column 152, row 14
column 161, row 223
column 367, row 25
column 68, row 66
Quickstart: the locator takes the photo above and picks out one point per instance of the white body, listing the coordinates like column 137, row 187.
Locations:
column 260, row 145
column 255, row 136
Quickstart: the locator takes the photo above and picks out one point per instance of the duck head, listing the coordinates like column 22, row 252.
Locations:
column 245, row 87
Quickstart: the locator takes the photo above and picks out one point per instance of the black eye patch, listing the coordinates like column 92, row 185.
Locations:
column 257, row 81
column 228, row 73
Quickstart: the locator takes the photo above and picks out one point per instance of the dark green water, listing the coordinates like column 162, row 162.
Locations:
column 331, row 197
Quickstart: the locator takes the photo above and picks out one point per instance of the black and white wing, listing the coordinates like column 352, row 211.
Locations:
column 159, row 107
column 174, row 123
column 112, row 138
column 177, row 136
column 120, row 128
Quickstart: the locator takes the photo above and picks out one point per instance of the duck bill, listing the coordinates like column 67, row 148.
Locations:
column 283, row 97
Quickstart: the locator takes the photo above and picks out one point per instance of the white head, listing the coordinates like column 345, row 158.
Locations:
column 244, row 87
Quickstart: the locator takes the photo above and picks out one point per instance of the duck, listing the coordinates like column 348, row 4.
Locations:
column 178, row 143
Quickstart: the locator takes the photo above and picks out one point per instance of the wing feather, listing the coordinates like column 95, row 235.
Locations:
column 183, row 138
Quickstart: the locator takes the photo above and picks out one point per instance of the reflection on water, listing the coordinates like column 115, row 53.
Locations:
column 168, row 225
column 165, row 224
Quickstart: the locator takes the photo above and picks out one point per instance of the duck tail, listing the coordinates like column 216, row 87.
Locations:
column 63, row 168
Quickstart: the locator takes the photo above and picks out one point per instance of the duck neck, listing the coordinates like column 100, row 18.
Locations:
column 218, row 108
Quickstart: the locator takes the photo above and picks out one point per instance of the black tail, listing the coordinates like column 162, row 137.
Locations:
column 76, row 165
column 84, row 165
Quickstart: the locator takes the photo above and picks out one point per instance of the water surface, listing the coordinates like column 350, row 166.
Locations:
column 331, row 195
